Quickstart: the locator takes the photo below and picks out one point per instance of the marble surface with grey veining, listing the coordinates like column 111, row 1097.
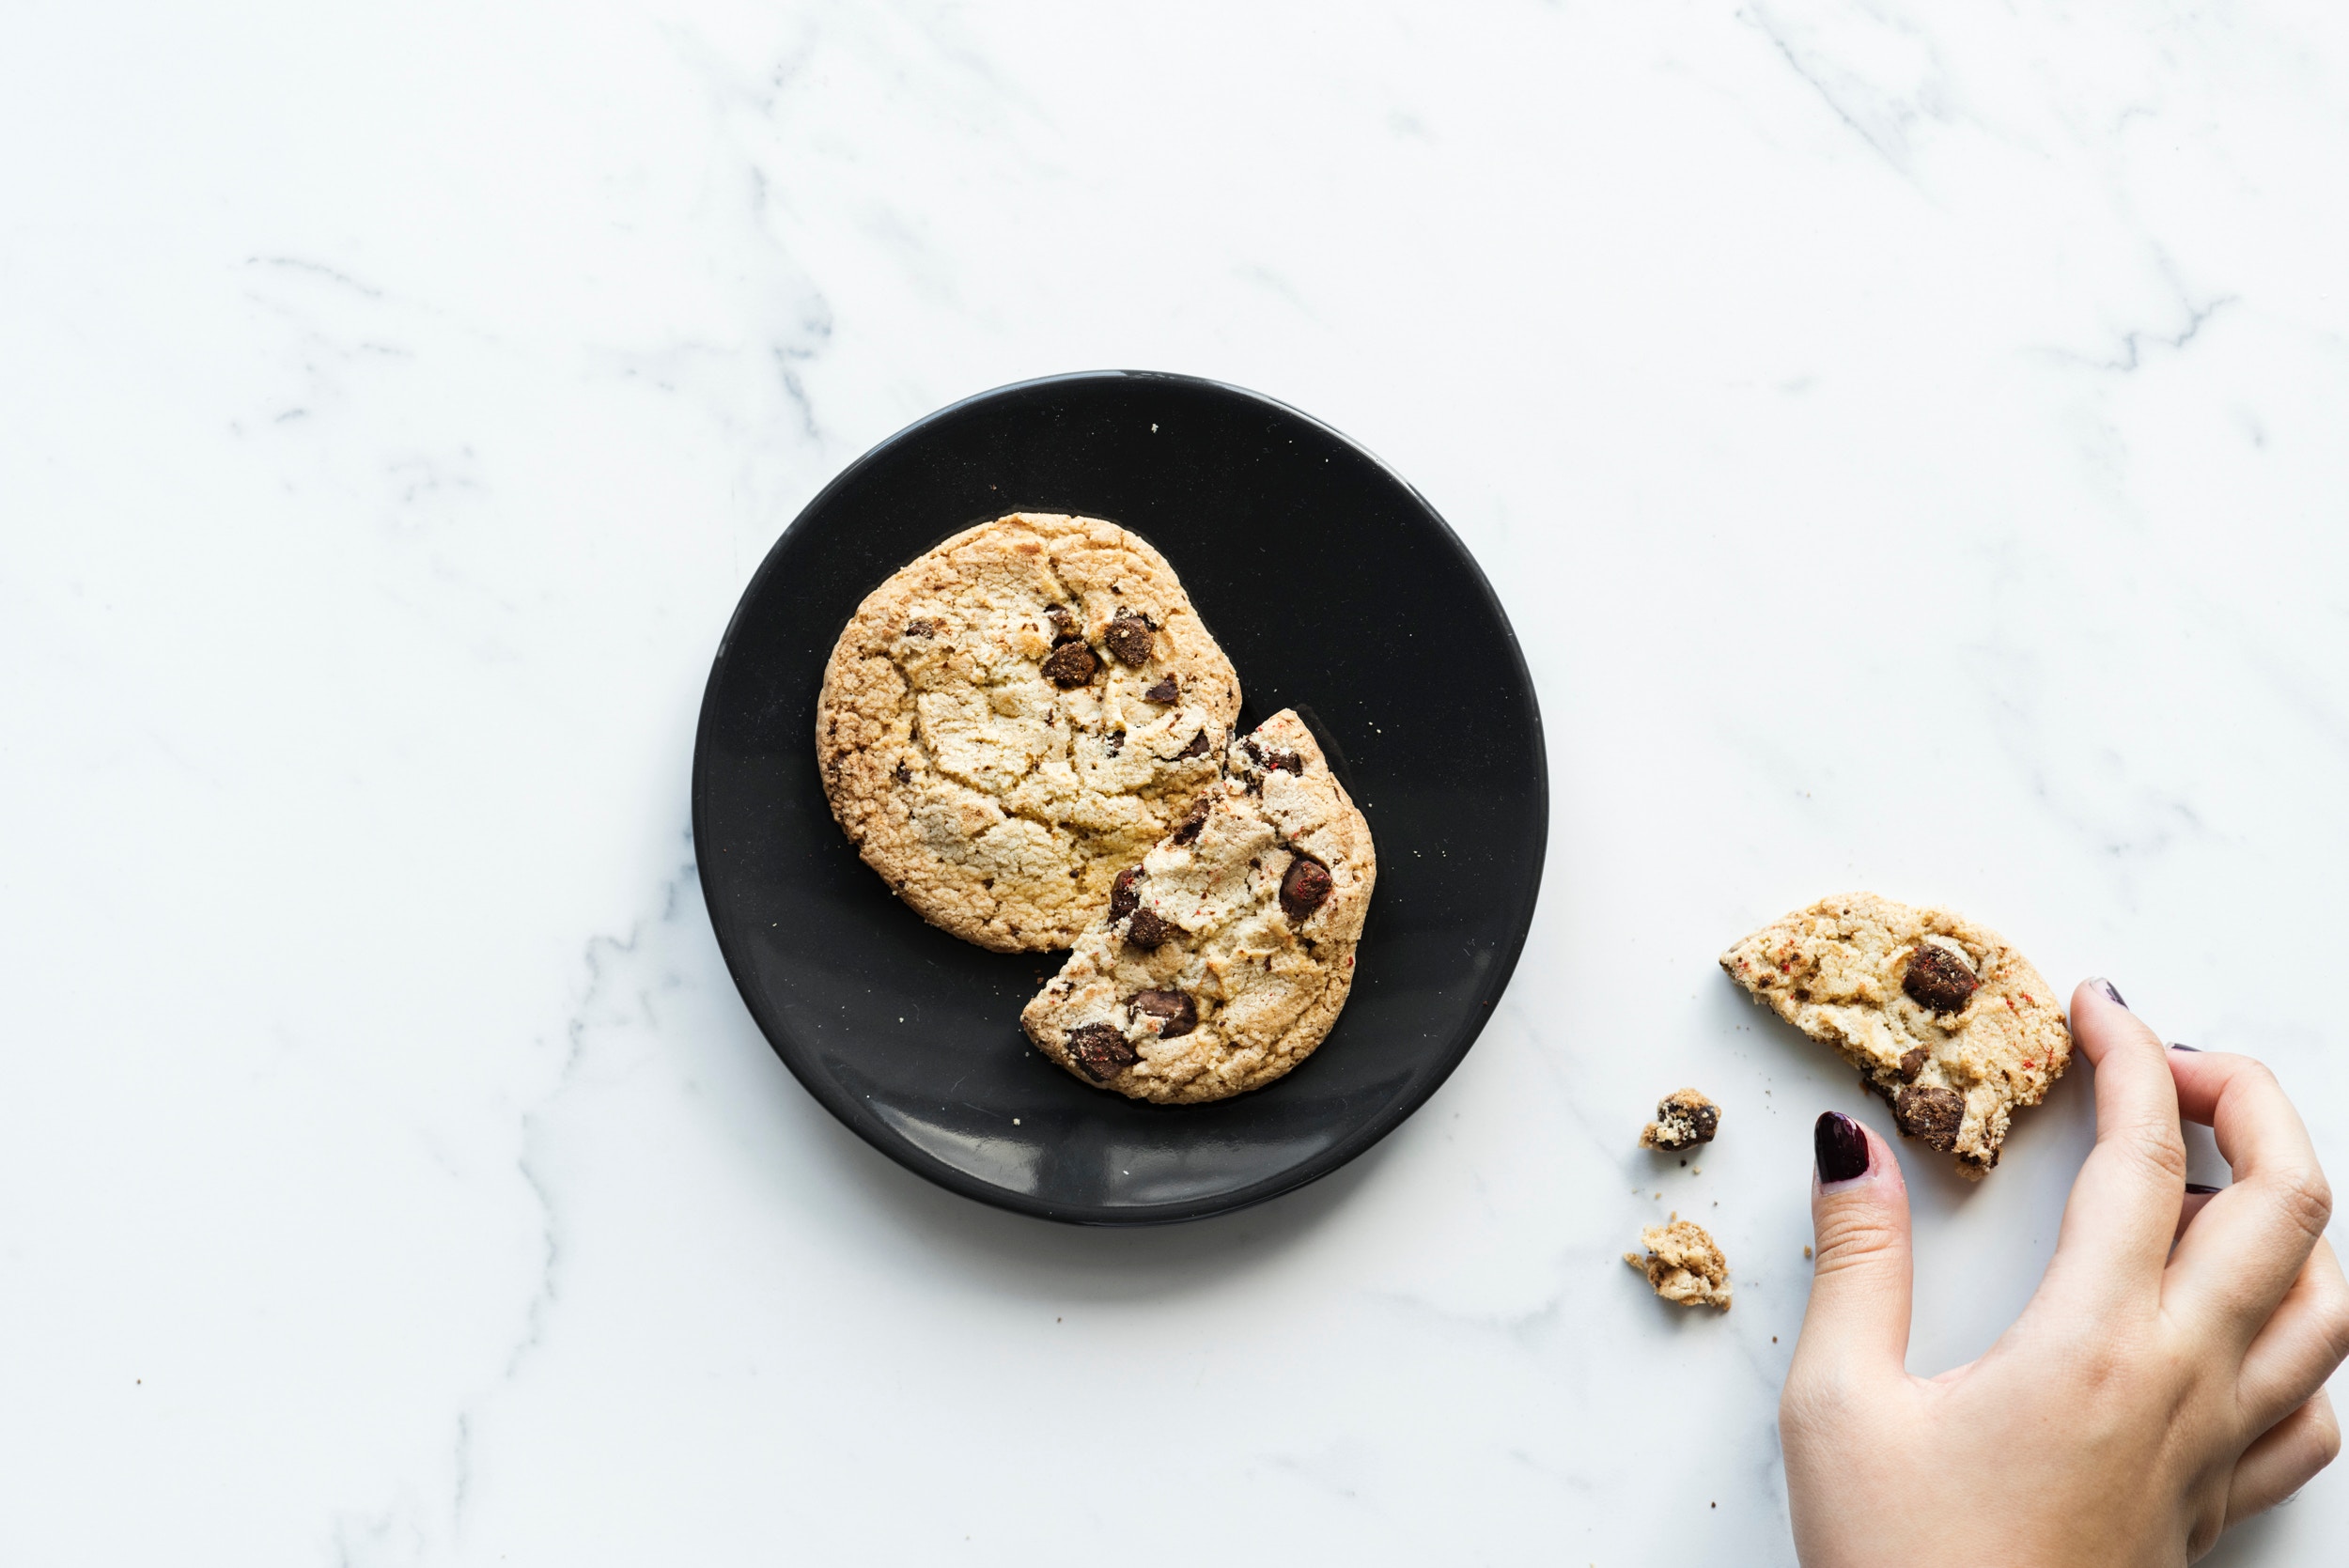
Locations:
column 1909, row 438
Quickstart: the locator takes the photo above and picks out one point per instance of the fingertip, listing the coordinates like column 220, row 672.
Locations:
column 1849, row 1158
column 2102, row 1021
column 1840, row 1149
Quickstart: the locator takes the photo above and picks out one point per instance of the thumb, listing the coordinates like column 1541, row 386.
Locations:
column 1856, row 1325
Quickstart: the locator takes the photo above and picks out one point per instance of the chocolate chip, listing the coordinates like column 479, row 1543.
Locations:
column 1129, row 636
column 1176, row 1012
column 1936, row 980
column 1270, row 759
column 1148, row 930
column 1701, row 1116
column 1124, row 896
column 1071, row 664
column 1931, row 1114
column 920, row 629
column 1193, row 819
column 1304, row 887
column 1164, row 692
column 1100, row 1050
column 1912, row 1063
column 1198, row 748
column 1063, row 623
column 903, row 774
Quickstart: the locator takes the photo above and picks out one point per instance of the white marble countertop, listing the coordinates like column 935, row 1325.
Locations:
column 1911, row 450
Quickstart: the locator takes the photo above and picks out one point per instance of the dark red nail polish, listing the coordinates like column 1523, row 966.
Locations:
column 2114, row 992
column 2198, row 1187
column 1840, row 1148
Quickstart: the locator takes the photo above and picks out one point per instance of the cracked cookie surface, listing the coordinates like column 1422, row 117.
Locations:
column 1228, row 952
column 1947, row 1022
column 1015, row 716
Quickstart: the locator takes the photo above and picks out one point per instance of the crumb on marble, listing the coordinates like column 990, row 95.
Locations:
column 1683, row 1264
column 1684, row 1119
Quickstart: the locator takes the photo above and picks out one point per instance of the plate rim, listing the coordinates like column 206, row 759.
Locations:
column 1304, row 1173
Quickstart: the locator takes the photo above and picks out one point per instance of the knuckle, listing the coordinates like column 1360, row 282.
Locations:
column 2328, row 1289
column 2306, row 1199
column 2113, row 1362
column 1850, row 1240
column 2097, row 1359
column 2323, row 1432
column 2332, row 1323
column 2155, row 1146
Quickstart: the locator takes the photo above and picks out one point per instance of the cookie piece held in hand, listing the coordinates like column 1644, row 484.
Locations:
column 1683, row 1264
column 1684, row 1119
column 1222, row 960
column 1016, row 715
column 1952, row 1027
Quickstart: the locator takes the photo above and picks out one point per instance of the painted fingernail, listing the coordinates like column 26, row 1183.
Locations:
column 1840, row 1148
column 2198, row 1187
column 2113, row 993
column 2175, row 1046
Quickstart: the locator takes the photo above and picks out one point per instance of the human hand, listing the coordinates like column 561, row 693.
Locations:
column 2146, row 1399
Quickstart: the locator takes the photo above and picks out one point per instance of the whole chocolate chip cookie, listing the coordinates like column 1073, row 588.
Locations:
column 1952, row 1027
column 1223, row 956
column 1016, row 717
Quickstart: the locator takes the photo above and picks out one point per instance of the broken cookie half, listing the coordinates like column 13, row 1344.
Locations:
column 1952, row 1027
column 1684, row 1265
column 1226, row 954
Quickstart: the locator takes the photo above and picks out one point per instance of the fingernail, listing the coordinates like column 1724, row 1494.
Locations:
column 2175, row 1046
column 2113, row 993
column 2198, row 1187
column 1840, row 1148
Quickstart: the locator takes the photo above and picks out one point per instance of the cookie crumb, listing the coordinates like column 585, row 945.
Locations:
column 1684, row 1119
column 1806, row 1252
column 1683, row 1264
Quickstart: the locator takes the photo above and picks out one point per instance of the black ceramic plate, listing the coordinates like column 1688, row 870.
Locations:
column 1336, row 590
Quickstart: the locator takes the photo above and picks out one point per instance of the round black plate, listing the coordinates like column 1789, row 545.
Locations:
column 1336, row 590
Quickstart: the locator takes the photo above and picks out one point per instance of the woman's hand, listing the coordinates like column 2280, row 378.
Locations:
column 2149, row 1396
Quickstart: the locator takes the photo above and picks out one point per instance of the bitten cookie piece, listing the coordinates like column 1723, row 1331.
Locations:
column 1684, row 1119
column 1228, row 952
column 1015, row 716
column 1684, row 1265
column 1952, row 1027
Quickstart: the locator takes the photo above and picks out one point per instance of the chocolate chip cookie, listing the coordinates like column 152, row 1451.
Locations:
column 1015, row 717
column 1952, row 1027
column 1225, row 953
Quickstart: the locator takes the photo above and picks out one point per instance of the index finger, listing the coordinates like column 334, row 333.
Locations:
column 2123, row 1209
column 2249, row 1244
